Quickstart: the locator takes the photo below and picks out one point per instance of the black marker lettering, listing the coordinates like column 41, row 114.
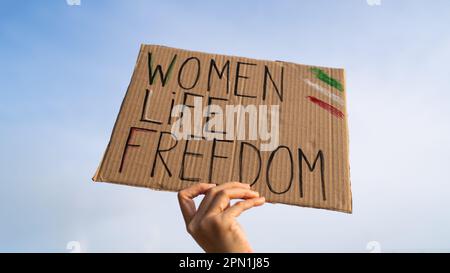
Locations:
column 172, row 102
column 272, row 155
column 302, row 156
column 144, row 118
column 159, row 151
column 128, row 144
column 183, row 160
column 239, row 76
column 241, row 154
column 180, row 72
column 219, row 73
column 163, row 76
column 208, row 114
column 213, row 155
column 267, row 76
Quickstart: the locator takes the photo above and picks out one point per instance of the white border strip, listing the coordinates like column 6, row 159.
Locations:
column 325, row 92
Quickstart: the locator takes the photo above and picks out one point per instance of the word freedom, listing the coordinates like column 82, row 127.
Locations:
column 190, row 152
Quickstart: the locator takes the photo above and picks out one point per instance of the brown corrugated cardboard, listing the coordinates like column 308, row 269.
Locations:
column 309, row 166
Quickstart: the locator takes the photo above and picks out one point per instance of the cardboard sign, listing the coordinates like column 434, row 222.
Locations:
column 286, row 133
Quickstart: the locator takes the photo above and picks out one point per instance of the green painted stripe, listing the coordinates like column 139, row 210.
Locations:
column 169, row 73
column 323, row 76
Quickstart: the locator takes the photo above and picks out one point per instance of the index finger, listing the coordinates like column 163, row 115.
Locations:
column 185, row 197
column 223, row 198
column 210, row 196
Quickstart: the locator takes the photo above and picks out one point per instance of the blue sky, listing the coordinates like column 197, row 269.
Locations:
column 64, row 71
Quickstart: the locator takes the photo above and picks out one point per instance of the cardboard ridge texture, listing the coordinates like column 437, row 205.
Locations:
column 190, row 117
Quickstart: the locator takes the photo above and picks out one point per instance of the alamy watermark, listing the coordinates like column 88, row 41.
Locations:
column 73, row 2
column 373, row 247
column 373, row 2
column 74, row 246
column 214, row 122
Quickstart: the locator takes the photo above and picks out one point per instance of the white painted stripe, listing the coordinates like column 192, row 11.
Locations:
column 325, row 92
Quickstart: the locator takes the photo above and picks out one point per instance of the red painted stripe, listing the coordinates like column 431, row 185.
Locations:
column 330, row 108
